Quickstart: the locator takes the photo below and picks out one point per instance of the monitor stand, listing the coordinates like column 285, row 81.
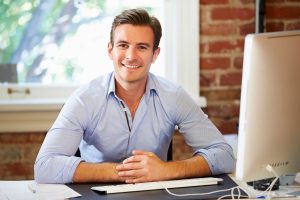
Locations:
column 263, row 184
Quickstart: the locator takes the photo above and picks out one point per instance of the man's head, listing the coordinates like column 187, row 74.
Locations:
column 134, row 46
column 137, row 17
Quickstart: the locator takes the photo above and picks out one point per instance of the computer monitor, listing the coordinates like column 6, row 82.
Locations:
column 269, row 123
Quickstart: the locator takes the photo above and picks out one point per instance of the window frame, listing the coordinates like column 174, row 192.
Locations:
column 182, row 66
column 34, row 111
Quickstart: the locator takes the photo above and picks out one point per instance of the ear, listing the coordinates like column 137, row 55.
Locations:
column 109, row 50
column 155, row 54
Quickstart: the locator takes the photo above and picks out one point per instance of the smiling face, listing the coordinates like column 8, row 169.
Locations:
column 132, row 53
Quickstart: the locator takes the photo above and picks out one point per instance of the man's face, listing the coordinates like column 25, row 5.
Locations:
column 132, row 53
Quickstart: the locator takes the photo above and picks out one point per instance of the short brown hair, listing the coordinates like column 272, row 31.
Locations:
column 138, row 17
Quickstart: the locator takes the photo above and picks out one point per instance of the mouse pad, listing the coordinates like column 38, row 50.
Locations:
column 87, row 193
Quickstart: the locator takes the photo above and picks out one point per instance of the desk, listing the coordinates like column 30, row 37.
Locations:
column 21, row 187
column 88, row 194
column 283, row 190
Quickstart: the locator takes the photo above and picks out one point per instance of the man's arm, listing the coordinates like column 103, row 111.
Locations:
column 146, row 166
column 96, row 172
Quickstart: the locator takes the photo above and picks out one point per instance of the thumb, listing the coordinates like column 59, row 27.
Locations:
column 141, row 152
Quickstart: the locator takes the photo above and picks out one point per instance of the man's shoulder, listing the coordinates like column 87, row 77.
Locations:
column 163, row 85
column 169, row 93
column 99, row 84
column 95, row 89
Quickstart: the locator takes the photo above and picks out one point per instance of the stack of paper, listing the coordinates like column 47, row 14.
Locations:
column 23, row 190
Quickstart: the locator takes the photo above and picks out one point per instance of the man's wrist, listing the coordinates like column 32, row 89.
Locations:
column 194, row 167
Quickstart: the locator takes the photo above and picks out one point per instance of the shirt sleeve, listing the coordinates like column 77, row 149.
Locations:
column 56, row 162
column 202, row 135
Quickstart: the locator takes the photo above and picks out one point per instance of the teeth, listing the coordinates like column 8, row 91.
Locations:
column 132, row 66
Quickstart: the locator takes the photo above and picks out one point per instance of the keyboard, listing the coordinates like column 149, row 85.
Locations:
column 120, row 188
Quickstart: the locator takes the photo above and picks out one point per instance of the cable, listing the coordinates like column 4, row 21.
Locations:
column 232, row 190
column 232, row 195
column 269, row 168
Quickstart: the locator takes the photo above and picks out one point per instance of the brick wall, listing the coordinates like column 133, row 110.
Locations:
column 17, row 154
column 223, row 26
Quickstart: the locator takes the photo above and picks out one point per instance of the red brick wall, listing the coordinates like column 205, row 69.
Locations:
column 17, row 154
column 223, row 26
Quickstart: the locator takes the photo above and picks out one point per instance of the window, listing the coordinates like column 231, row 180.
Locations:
column 62, row 54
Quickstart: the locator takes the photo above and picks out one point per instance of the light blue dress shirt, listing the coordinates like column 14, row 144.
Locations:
column 94, row 119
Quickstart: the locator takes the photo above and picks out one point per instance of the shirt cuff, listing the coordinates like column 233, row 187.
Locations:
column 218, row 161
column 70, row 169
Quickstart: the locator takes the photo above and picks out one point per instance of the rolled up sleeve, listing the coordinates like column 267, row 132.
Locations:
column 219, row 158
column 203, row 136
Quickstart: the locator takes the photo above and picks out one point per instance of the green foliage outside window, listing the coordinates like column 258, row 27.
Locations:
column 28, row 28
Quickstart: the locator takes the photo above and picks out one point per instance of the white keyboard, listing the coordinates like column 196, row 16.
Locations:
column 110, row 189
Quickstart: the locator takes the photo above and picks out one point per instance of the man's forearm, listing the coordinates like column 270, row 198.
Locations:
column 196, row 166
column 106, row 172
column 145, row 166
column 96, row 172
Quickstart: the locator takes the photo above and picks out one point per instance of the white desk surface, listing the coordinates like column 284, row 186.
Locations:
column 283, row 190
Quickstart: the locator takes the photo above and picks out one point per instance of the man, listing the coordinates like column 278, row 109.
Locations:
column 123, row 122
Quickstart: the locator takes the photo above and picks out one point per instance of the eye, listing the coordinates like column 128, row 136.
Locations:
column 142, row 47
column 122, row 45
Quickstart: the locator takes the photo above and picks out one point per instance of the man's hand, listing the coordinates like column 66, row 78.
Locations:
column 143, row 166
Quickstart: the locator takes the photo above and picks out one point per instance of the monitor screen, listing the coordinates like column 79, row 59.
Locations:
column 269, row 123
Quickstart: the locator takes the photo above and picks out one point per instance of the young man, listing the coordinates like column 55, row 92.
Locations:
column 123, row 122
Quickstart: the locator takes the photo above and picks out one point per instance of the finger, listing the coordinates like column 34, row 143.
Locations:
column 129, row 180
column 143, row 153
column 123, row 179
column 127, row 173
column 140, row 152
column 136, row 180
column 131, row 173
column 119, row 167
column 132, row 159
column 133, row 180
column 128, row 166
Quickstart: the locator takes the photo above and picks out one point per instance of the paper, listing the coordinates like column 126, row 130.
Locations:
column 25, row 190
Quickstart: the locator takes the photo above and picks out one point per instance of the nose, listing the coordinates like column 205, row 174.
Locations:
column 131, row 53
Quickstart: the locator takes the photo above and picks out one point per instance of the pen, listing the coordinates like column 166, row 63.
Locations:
column 260, row 197
column 32, row 188
column 279, row 196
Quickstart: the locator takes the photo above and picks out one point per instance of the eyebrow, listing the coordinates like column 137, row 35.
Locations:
column 140, row 43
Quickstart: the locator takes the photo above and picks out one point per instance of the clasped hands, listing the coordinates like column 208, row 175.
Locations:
column 142, row 166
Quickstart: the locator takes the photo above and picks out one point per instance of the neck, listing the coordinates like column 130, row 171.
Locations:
column 131, row 94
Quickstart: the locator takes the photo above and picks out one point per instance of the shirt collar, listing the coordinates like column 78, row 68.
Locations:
column 111, row 85
column 149, row 87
